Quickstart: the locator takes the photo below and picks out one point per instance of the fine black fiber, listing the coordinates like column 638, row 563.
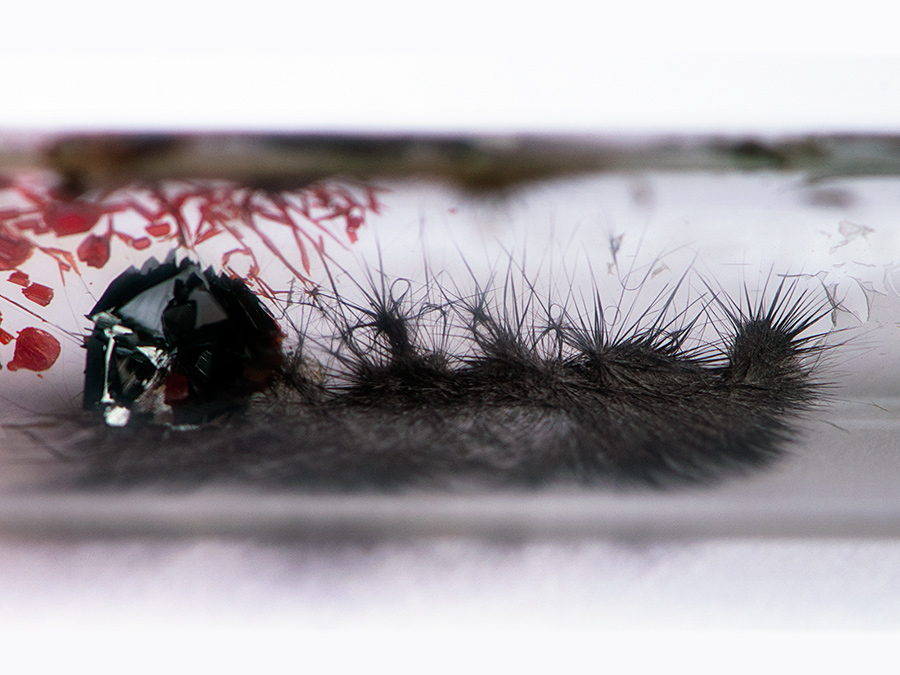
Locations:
column 501, row 386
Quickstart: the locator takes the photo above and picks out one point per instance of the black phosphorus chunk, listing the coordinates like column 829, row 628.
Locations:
column 497, row 388
column 179, row 345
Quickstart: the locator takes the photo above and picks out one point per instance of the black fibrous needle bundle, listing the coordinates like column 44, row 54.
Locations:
column 501, row 385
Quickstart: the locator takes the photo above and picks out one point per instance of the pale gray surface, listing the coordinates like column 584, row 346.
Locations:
column 536, row 560
column 457, row 582
column 842, row 480
column 810, row 542
column 691, row 559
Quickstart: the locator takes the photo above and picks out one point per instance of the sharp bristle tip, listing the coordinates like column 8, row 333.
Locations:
column 423, row 385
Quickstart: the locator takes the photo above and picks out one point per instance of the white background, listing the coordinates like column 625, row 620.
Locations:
column 397, row 65
column 766, row 67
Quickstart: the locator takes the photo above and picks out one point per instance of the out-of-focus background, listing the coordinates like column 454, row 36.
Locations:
column 486, row 66
column 648, row 68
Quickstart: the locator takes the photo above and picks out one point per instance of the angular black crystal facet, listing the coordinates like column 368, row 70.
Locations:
column 178, row 343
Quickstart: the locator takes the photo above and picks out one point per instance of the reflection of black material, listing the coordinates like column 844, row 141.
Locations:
column 173, row 337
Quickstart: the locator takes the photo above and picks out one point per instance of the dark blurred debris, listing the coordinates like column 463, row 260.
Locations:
column 178, row 344
column 829, row 198
column 476, row 162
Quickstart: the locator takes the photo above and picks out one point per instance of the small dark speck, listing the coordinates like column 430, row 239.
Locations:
column 642, row 194
column 830, row 198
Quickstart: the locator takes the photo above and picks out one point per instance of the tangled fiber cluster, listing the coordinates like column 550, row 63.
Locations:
column 502, row 386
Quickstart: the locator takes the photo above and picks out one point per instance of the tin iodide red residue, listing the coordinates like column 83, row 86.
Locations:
column 36, row 350
column 38, row 294
column 81, row 232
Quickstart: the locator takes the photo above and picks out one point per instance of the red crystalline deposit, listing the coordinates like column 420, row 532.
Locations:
column 19, row 278
column 66, row 218
column 13, row 250
column 354, row 222
column 158, row 229
column 94, row 250
column 36, row 350
column 5, row 338
column 177, row 388
column 38, row 294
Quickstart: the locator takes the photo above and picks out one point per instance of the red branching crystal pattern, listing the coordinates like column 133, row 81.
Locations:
column 37, row 218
